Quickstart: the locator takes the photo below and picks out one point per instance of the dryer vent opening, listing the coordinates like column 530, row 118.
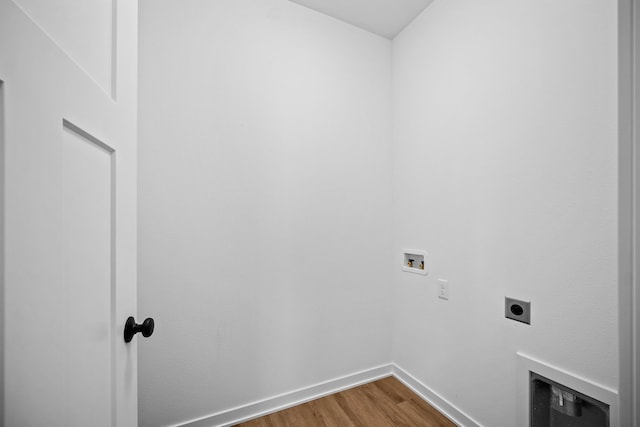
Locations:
column 555, row 405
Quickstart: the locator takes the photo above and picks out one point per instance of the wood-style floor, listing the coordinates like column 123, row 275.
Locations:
column 386, row 402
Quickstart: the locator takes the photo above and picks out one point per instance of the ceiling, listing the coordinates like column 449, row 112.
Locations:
column 383, row 17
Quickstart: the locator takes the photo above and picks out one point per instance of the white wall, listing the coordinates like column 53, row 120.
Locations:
column 505, row 171
column 268, row 252
column 265, row 203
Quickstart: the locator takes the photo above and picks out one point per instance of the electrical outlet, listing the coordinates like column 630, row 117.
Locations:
column 517, row 310
column 443, row 289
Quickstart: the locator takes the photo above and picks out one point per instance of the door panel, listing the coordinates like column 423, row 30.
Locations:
column 87, row 204
column 70, row 228
column 83, row 29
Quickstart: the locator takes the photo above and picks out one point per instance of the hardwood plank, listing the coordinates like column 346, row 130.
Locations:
column 304, row 415
column 279, row 418
column 397, row 388
column 383, row 403
column 331, row 412
column 388, row 406
column 391, row 387
column 365, row 410
column 417, row 417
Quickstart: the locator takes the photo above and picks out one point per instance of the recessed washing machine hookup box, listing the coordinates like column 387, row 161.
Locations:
column 555, row 405
column 414, row 261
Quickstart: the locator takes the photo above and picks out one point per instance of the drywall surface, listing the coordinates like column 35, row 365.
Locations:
column 265, row 203
column 505, row 171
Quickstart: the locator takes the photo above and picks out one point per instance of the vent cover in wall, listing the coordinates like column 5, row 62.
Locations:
column 553, row 404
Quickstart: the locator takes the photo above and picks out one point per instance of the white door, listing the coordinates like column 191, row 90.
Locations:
column 68, row 137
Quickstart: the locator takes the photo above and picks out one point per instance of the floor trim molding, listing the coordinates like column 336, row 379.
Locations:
column 434, row 399
column 287, row 400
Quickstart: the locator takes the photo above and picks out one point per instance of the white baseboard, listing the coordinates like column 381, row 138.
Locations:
column 434, row 399
column 267, row 406
column 287, row 400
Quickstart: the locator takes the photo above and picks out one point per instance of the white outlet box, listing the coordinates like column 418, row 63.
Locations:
column 443, row 289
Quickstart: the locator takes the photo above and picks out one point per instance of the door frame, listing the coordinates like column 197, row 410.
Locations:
column 2, row 300
column 635, row 301
column 628, row 210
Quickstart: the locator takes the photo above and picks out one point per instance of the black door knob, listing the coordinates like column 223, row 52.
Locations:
column 131, row 328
